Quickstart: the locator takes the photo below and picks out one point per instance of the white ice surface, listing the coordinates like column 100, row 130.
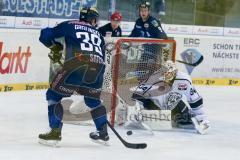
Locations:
column 23, row 115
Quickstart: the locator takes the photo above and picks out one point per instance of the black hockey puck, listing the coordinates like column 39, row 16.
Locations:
column 129, row 133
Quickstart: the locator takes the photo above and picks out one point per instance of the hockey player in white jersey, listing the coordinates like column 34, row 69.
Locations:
column 170, row 89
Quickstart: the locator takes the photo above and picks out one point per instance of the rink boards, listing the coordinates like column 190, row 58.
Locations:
column 24, row 64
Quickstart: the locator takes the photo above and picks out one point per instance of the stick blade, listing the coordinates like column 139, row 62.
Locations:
column 191, row 57
column 136, row 146
column 125, row 143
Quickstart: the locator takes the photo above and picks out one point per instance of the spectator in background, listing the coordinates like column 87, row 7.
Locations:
column 160, row 7
column 147, row 26
column 112, row 29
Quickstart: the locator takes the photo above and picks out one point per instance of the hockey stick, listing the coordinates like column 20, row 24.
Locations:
column 125, row 143
column 191, row 57
column 192, row 64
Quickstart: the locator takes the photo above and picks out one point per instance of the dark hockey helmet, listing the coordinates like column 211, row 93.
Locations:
column 145, row 4
column 87, row 14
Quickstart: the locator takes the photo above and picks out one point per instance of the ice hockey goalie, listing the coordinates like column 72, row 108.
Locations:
column 170, row 89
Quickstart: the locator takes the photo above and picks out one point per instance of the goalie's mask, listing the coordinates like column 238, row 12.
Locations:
column 89, row 15
column 169, row 71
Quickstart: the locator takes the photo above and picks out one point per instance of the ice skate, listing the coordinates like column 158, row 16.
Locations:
column 100, row 137
column 51, row 138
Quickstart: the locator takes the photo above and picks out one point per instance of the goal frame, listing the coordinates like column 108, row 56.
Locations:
column 116, row 66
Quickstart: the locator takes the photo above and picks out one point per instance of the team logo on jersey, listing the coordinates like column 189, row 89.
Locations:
column 182, row 86
column 146, row 25
column 173, row 99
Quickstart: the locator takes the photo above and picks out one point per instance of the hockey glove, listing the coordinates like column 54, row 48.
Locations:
column 55, row 55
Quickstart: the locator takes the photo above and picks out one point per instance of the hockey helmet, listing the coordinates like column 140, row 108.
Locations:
column 116, row 16
column 169, row 70
column 87, row 14
column 145, row 4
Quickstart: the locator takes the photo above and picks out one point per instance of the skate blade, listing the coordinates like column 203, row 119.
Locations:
column 50, row 143
column 105, row 143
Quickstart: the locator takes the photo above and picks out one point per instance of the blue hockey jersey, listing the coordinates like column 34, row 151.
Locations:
column 149, row 29
column 80, row 37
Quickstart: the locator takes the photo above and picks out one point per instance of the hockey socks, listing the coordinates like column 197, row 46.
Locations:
column 55, row 115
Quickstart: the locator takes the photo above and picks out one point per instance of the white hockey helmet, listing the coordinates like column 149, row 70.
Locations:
column 169, row 70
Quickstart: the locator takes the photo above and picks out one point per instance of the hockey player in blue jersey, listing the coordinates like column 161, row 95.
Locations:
column 147, row 26
column 80, row 37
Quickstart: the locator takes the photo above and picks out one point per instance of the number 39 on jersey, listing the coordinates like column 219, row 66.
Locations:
column 92, row 43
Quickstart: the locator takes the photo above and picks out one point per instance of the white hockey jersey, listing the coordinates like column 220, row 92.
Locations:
column 166, row 97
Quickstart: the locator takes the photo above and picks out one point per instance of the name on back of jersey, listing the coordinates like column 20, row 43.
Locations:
column 96, row 59
column 88, row 29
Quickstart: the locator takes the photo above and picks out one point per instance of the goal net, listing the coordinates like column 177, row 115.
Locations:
column 128, row 61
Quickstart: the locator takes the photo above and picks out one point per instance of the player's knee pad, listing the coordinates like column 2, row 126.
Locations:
column 91, row 102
